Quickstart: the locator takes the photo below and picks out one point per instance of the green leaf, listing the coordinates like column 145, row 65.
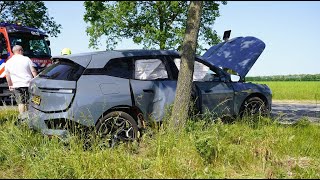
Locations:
column 153, row 24
column 35, row 14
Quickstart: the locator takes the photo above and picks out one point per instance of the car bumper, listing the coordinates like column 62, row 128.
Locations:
column 36, row 120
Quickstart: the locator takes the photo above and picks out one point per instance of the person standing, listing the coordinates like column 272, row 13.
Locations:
column 65, row 51
column 19, row 72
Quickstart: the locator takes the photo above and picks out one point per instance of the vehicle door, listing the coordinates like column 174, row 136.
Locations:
column 213, row 94
column 153, row 86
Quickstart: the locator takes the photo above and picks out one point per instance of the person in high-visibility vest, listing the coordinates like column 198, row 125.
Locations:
column 66, row 51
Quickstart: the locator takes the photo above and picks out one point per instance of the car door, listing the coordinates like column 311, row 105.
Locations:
column 153, row 87
column 216, row 97
column 212, row 93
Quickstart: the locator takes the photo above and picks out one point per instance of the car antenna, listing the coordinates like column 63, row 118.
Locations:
column 226, row 35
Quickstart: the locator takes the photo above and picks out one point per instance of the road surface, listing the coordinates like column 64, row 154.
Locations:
column 293, row 111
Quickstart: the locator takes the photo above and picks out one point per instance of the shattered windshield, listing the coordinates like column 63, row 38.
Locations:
column 33, row 45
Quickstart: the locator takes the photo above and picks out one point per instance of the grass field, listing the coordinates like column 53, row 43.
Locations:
column 204, row 149
column 207, row 148
column 294, row 90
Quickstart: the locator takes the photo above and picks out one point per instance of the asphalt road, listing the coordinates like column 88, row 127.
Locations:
column 290, row 112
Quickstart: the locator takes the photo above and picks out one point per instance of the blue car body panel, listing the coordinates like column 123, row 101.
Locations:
column 238, row 54
column 216, row 97
column 105, row 92
column 56, row 95
column 153, row 97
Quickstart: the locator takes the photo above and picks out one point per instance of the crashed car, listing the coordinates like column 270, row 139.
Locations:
column 118, row 92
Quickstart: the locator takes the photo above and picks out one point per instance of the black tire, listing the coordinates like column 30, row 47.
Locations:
column 254, row 106
column 116, row 127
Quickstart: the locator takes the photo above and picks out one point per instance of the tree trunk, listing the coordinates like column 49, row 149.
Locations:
column 184, row 86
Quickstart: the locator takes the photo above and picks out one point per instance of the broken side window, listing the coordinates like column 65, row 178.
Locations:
column 150, row 69
column 201, row 72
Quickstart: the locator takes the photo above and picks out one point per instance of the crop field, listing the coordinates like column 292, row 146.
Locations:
column 294, row 90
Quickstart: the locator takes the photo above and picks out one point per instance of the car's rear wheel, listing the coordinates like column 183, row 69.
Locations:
column 254, row 106
column 116, row 127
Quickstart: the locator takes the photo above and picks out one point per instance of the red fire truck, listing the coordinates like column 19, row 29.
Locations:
column 35, row 44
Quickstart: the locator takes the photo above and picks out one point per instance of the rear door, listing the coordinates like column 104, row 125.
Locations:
column 54, row 88
column 153, row 86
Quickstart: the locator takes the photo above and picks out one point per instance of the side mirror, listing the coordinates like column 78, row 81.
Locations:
column 234, row 78
column 226, row 35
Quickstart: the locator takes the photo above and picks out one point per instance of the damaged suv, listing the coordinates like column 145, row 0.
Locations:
column 118, row 92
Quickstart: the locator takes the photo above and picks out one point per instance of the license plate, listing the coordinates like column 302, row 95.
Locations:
column 36, row 100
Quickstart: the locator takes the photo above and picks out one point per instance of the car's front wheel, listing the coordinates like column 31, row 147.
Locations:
column 254, row 106
column 116, row 127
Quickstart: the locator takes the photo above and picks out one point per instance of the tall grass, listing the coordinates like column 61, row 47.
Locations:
column 248, row 148
column 294, row 90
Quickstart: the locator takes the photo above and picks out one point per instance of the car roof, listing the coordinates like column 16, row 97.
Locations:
column 99, row 59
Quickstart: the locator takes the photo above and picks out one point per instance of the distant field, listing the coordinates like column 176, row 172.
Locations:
column 293, row 77
column 294, row 90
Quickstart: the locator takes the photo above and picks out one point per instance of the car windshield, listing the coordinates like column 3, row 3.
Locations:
column 34, row 46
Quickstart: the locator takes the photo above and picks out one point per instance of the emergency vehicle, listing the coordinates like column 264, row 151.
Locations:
column 35, row 44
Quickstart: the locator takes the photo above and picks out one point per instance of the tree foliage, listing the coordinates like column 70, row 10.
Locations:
column 29, row 13
column 154, row 24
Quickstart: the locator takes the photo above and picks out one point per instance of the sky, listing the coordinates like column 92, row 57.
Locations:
column 290, row 30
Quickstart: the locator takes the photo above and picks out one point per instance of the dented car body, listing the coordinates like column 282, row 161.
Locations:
column 120, row 91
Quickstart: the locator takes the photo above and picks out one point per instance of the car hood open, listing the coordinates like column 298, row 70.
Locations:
column 238, row 54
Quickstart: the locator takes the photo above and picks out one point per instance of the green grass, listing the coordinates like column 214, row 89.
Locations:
column 294, row 90
column 249, row 148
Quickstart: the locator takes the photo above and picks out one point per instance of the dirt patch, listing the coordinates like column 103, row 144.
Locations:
column 6, row 107
column 296, row 102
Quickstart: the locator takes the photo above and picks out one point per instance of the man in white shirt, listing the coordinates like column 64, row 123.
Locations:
column 19, row 72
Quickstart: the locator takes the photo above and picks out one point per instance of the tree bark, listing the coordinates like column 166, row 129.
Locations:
column 183, row 93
